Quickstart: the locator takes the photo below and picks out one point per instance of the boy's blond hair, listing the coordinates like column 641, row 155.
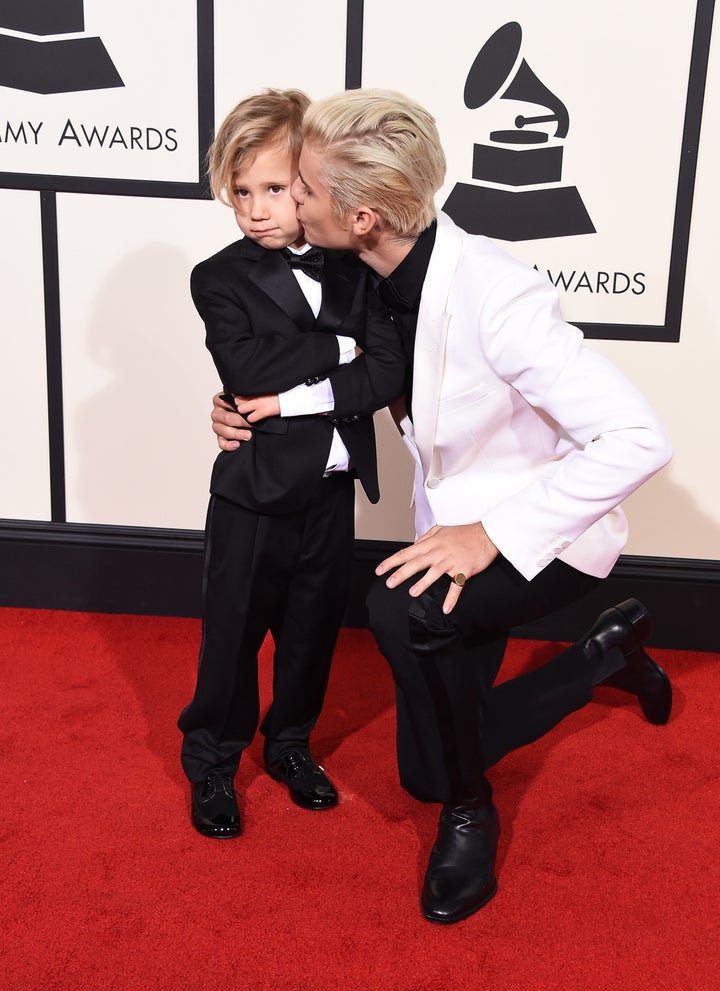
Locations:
column 379, row 149
column 271, row 117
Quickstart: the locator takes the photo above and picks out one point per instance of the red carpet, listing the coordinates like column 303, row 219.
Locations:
column 609, row 856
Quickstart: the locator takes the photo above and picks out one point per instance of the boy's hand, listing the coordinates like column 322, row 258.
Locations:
column 256, row 408
column 230, row 428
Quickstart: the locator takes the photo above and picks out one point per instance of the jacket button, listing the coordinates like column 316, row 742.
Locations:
column 433, row 483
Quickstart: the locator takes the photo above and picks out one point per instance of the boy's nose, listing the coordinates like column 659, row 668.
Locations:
column 259, row 208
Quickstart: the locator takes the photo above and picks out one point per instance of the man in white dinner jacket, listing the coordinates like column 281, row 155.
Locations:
column 525, row 443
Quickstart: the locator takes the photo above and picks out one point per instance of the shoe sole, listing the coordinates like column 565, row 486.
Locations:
column 637, row 617
column 665, row 693
column 212, row 835
column 297, row 799
column 310, row 808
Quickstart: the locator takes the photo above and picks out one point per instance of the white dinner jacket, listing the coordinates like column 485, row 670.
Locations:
column 515, row 422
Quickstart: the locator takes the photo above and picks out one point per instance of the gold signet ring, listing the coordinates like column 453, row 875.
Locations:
column 459, row 579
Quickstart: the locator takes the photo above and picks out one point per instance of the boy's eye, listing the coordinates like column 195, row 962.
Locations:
column 240, row 192
column 276, row 189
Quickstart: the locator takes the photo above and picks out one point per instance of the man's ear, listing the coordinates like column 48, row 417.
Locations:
column 364, row 220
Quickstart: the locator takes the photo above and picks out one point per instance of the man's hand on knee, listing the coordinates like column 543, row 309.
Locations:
column 458, row 551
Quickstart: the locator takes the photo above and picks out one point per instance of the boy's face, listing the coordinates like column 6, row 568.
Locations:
column 264, row 209
column 314, row 205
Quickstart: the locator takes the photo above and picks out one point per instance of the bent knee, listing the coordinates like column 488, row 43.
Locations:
column 388, row 611
column 398, row 617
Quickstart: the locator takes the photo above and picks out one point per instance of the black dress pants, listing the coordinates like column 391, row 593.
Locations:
column 451, row 723
column 285, row 574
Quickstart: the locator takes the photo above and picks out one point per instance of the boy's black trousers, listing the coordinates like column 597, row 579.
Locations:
column 289, row 575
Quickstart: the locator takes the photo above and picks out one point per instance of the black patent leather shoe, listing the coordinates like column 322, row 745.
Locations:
column 625, row 626
column 309, row 786
column 460, row 876
column 215, row 810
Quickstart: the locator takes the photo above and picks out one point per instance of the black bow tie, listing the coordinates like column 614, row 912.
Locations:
column 311, row 263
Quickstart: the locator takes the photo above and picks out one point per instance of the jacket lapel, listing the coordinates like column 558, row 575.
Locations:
column 274, row 277
column 431, row 339
column 338, row 292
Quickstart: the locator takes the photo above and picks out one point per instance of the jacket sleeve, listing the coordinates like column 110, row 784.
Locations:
column 617, row 440
column 377, row 376
column 250, row 364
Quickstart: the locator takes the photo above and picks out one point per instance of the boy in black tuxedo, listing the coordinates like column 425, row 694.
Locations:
column 280, row 524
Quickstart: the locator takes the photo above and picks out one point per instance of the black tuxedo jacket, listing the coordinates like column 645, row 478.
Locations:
column 264, row 338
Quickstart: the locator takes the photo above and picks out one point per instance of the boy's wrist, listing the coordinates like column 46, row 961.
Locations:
column 348, row 351
column 306, row 400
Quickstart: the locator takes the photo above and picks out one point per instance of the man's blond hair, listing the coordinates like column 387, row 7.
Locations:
column 271, row 117
column 381, row 150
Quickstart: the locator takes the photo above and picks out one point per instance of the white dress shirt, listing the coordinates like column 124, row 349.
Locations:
column 318, row 398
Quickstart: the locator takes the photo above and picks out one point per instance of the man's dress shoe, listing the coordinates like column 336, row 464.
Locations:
column 625, row 626
column 460, row 876
column 309, row 786
column 215, row 810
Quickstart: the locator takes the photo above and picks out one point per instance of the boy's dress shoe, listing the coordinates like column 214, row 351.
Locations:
column 309, row 786
column 625, row 626
column 215, row 810
column 460, row 876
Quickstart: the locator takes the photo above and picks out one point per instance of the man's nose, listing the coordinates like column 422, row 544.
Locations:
column 296, row 190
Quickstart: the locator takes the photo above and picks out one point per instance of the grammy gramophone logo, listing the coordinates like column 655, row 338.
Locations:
column 41, row 62
column 525, row 157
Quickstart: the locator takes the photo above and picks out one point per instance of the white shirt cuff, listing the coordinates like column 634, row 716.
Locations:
column 347, row 349
column 307, row 399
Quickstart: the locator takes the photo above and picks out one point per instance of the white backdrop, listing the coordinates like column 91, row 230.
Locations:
column 137, row 379
column 25, row 487
column 143, row 129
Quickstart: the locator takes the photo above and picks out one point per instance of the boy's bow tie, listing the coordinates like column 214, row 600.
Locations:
column 311, row 263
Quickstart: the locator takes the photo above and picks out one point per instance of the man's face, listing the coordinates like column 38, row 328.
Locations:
column 264, row 209
column 314, row 205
